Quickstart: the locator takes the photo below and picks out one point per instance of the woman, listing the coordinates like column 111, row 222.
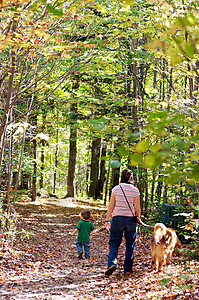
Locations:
column 124, row 219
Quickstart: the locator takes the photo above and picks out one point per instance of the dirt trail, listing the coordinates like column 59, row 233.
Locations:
column 45, row 265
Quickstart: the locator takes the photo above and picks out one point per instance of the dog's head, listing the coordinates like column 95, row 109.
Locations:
column 159, row 232
column 166, row 238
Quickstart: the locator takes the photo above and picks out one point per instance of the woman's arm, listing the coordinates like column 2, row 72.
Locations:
column 110, row 207
column 137, row 206
column 110, row 210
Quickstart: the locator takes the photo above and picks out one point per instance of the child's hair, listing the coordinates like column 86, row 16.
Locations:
column 85, row 214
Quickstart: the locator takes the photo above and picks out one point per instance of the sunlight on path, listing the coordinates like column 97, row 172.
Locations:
column 70, row 202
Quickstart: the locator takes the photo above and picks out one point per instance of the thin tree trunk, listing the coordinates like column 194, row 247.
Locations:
column 165, row 193
column 72, row 162
column 20, row 164
column 87, row 168
column 106, row 185
column 153, row 187
column 134, row 108
column 140, row 186
column 72, row 153
column 34, row 178
column 56, row 158
column 100, row 183
column 4, row 122
column 158, row 193
column 95, row 155
column 169, row 89
column 41, row 182
column 7, row 199
column 146, row 194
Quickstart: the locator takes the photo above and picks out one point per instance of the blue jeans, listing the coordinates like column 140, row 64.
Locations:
column 119, row 225
column 86, row 246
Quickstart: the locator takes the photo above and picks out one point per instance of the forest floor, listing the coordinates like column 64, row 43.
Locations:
column 43, row 263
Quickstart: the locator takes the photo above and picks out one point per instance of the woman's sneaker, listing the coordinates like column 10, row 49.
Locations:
column 110, row 270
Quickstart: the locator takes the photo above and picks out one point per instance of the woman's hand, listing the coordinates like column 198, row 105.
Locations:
column 108, row 226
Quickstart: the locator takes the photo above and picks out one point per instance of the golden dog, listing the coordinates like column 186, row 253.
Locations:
column 162, row 243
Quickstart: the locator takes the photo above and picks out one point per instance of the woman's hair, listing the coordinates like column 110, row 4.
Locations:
column 85, row 214
column 127, row 176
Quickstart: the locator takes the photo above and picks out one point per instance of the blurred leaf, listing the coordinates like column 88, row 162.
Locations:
column 180, row 144
column 155, row 148
column 122, row 151
column 189, row 49
column 195, row 173
column 128, row 2
column 136, row 158
column 165, row 281
column 156, row 44
column 173, row 178
column 150, row 160
column 142, row 146
column 175, row 56
column 53, row 10
column 115, row 164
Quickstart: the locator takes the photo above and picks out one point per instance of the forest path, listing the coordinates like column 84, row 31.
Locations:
column 45, row 265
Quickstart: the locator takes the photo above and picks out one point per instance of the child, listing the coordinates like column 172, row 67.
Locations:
column 84, row 228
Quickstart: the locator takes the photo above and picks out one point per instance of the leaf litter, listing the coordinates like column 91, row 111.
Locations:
column 44, row 264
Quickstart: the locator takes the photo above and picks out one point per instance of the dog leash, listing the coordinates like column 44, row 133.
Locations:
column 139, row 221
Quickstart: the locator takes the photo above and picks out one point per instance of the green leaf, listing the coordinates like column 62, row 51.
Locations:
column 195, row 173
column 122, row 151
column 174, row 56
column 165, row 281
column 180, row 144
column 115, row 164
column 54, row 11
column 150, row 161
column 185, row 276
column 128, row 2
column 189, row 49
column 135, row 159
column 142, row 146
column 155, row 148
column 174, row 177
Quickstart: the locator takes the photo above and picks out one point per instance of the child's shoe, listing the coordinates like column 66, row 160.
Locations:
column 80, row 255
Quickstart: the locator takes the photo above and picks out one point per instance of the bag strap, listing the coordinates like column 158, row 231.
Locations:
column 139, row 221
column 128, row 201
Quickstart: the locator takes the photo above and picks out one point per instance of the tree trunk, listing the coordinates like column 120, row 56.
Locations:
column 20, row 164
column 72, row 162
column 106, row 185
column 146, row 194
column 158, row 193
column 134, row 108
column 100, row 183
column 115, row 178
column 34, row 178
column 165, row 193
column 153, row 187
column 41, row 182
column 140, row 186
column 56, row 158
column 87, row 167
column 7, row 108
column 94, row 173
